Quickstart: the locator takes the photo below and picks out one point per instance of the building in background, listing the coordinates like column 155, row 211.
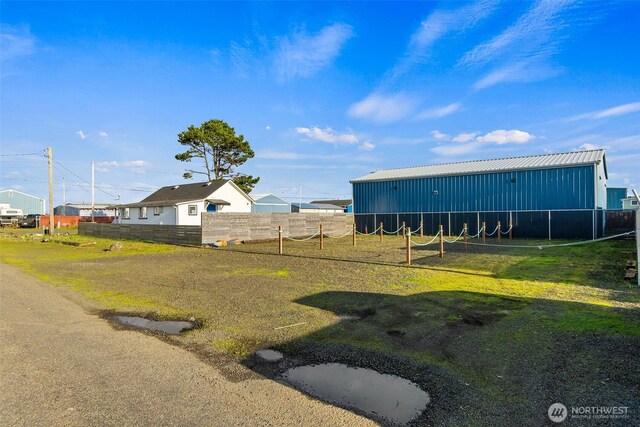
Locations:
column 345, row 204
column 554, row 195
column 315, row 208
column 27, row 203
column 183, row 204
column 84, row 210
column 630, row 203
column 615, row 196
column 269, row 203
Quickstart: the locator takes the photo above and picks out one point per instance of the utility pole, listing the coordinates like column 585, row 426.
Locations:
column 93, row 191
column 64, row 198
column 51, row 216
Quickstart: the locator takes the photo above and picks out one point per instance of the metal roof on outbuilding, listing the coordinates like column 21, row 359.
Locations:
column 544, row 161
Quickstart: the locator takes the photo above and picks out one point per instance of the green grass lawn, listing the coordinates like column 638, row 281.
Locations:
column 521, row 327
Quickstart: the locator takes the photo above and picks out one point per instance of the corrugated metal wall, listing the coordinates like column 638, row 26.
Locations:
column 615, row 196
column 554, row 189
column 17, row 200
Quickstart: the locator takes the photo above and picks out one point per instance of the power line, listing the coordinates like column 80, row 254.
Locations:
column 82, row 179
column 20, row 154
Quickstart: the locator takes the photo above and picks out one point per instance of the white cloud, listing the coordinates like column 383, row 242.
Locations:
column 522, row 71
column 468, row 142
column 328, row 135
column 134, row 166
column 437, row 113
column 450, row 150
column 440, row 136
column 534, row 34
column 464, row 137
column 268, row 127
column 302, row 55
column 521, row 53
column 382, row 108
column 103, row 134
column 589, row 147
column 367, row 146
column 437, row 26
column 16, row 41
column 609, row 112
column 289, row 155
column 81, row 134
column 502, row 136
column 112, row 164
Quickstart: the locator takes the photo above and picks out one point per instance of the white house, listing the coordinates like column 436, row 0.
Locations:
column 183, row 204
column 630, row 203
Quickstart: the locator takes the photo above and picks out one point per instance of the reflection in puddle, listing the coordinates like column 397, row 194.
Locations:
column 269, row 355
column 172, row 327
column 396, row 399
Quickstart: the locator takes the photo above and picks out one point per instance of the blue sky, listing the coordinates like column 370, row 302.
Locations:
column 325, row 91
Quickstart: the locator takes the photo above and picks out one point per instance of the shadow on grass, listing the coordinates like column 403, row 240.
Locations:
column 479, row 352
column 599, row 265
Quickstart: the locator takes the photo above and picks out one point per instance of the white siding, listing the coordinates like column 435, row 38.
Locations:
column 183, row 213
column 601, row 186
column 167, row 217
column 229, row 193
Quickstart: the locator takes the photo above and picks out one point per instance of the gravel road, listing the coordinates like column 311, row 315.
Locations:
column 60, row 365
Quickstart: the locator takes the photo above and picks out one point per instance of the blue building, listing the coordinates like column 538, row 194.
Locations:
column 615, row 196
column 269, row 203
column 18, row 200
column 544, row 192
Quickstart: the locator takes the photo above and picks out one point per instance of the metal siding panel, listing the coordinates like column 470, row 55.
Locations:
column 563, row 188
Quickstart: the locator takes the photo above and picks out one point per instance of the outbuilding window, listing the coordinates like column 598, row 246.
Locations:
column 143, row 213
column 157, row 210
column 193, row 209
column 124, row 213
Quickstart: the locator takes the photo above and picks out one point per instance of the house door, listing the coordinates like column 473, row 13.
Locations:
column 211, row 207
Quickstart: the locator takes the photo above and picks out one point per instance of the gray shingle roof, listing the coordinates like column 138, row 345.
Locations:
column 544, row 161
column 179, row 193
column 185, row 192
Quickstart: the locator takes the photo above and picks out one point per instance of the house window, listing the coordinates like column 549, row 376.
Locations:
column 634, row 203
column 157, row 210
column 193, row 209
column 143, row 213
column 124, row 213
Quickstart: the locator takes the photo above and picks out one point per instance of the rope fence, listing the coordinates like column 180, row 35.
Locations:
column 462, row 238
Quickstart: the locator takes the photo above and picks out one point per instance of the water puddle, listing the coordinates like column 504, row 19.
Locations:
column 270, row 355
column 396, row 399
column 171, row 327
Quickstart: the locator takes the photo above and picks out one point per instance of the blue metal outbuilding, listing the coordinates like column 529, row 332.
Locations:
column 574, row 181
column 26, row 202
column 615, row 196
column 269, row 203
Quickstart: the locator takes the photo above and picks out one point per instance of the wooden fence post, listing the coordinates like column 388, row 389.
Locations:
column 381, row 231
column 366, row 229
column 441, row 234
column 404, row 229
column 353, row 233
column 321, row 238
column 499, row 231
column 279, row 240
column 484, row 232
column 465, row 232
column 510, row 229
column 421, row 228
column 408, row 238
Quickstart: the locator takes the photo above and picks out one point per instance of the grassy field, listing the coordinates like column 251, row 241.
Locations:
column 496, row 335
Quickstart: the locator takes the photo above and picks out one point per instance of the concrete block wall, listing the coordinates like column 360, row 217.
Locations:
column 264, row 226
